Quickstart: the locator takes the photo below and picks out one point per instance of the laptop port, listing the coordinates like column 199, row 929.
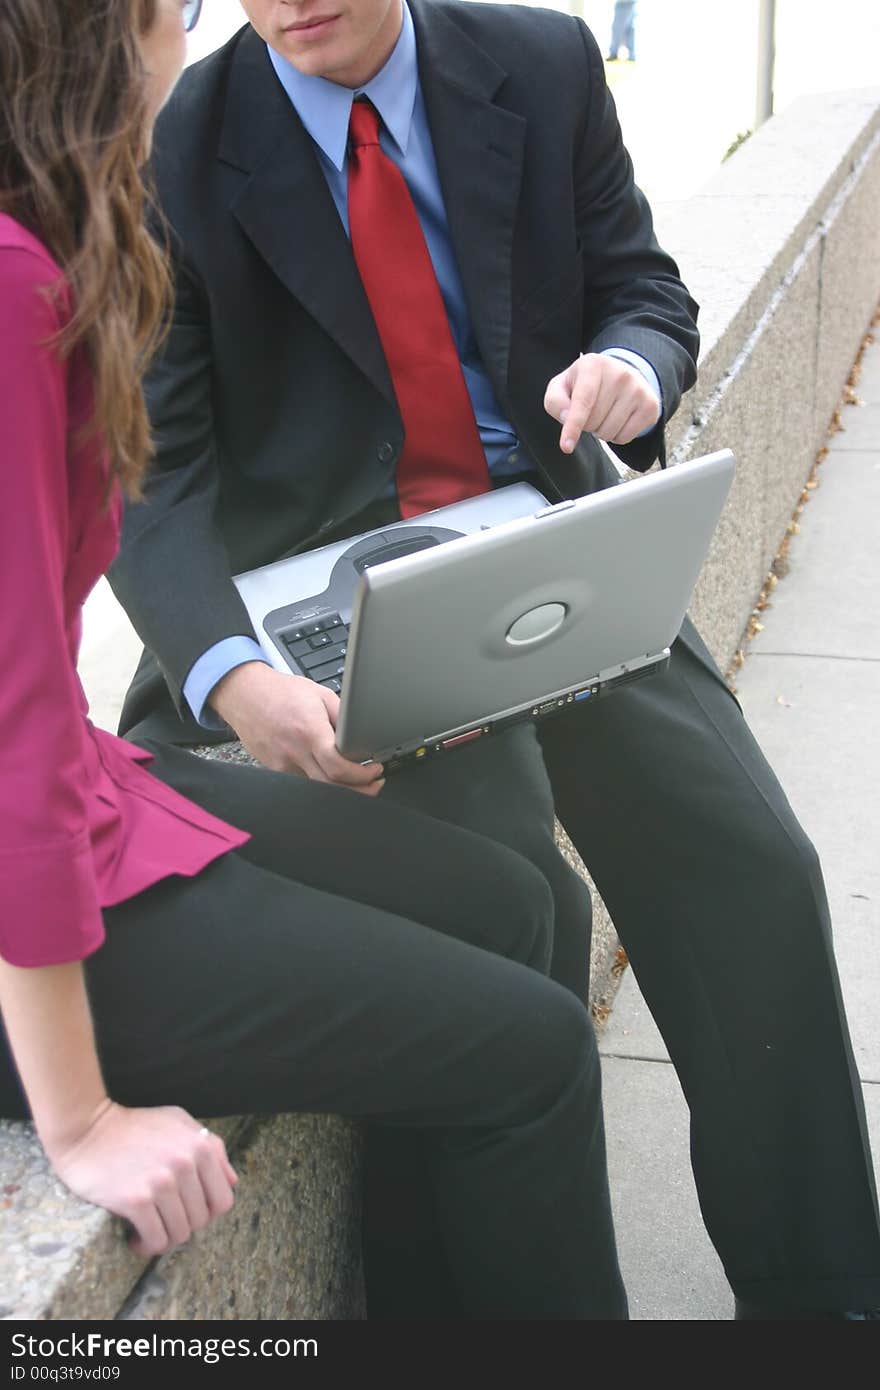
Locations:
column 548, row 706
column 461, row 738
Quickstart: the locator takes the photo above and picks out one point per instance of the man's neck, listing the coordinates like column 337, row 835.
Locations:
column 373, row 61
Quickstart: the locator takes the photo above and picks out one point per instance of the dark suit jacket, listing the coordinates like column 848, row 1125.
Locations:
column 274, row 414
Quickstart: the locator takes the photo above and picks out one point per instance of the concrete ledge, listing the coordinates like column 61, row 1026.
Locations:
column 782, row 251
column 288, row 1250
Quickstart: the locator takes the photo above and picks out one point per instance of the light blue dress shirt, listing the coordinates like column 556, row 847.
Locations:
column 324, row 108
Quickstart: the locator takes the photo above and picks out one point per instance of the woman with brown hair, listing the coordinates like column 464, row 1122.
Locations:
column 154, row 955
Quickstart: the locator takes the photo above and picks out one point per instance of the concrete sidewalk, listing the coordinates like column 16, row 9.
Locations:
column 810, row 688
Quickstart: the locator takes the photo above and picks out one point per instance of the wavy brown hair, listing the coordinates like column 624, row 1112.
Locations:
column 72, row 138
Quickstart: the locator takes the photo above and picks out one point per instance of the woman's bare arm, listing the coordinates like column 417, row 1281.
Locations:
column 157, row 1168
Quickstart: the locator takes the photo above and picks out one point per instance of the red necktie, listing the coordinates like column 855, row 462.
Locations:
column 443, row 459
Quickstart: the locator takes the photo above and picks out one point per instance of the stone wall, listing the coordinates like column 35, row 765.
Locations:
column 288, row 1249
column 781, row 249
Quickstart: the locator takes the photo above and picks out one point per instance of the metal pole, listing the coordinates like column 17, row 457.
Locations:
column 766, row 60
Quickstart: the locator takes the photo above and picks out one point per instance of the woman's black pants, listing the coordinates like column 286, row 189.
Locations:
column 361, row 958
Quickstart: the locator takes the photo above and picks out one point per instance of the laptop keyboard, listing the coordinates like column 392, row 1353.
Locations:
column 318, row 650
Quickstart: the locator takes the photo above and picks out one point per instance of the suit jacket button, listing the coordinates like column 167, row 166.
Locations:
column 385, row 452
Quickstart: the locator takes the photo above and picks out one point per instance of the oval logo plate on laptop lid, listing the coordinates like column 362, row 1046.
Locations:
column 537, row 624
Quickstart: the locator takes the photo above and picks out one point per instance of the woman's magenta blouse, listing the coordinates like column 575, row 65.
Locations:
column 83, row 825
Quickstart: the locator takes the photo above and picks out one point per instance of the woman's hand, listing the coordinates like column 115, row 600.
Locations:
column 158, row 1169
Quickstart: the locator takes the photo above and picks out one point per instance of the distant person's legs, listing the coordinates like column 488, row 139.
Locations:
column 623, row 30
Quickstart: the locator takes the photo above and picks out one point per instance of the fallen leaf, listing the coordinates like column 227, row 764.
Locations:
column 621, row 960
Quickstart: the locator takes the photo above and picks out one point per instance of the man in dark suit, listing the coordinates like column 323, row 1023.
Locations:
column 283, row 419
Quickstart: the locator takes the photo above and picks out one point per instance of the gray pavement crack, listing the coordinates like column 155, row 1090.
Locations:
column 818, row 656
column 634, row 1057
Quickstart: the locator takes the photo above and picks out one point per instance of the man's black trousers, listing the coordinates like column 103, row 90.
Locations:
column 718, row 898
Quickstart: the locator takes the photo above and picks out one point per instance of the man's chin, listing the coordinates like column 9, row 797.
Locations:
column 311, row 63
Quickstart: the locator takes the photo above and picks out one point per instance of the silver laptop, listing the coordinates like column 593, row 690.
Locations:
column 449, row 627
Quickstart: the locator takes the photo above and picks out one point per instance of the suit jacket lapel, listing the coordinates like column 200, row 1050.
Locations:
column 287, row 211
column 479, row 149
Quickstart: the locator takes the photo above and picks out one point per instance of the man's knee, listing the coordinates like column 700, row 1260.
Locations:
column 551, row 1052
column 521, row 918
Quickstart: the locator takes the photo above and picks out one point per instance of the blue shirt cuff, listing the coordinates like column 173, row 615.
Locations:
column 210, row 668
column 644, row 368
